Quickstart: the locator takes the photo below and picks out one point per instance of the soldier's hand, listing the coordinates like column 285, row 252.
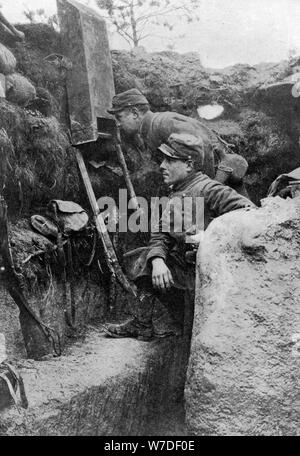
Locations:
column 194, row 236
column 192, row 230
column 161, row 275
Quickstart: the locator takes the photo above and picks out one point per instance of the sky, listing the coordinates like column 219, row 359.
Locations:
column 229, row 31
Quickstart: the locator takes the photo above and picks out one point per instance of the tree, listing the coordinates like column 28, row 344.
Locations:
column 40, row 16
column 133, row 18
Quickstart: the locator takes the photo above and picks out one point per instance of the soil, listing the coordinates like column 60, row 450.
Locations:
column 128, row 387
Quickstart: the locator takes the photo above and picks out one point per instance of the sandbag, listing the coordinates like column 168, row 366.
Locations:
column 8, row 61
column 19, row 90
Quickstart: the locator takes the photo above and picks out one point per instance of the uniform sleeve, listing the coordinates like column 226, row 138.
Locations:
column 168, row 125
column 161, row 241
column 160, row 244
column 221, row 199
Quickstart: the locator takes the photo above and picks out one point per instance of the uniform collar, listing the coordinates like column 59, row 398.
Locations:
column 188, row 180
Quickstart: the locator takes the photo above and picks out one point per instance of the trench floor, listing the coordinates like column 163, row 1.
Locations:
column 102, row 386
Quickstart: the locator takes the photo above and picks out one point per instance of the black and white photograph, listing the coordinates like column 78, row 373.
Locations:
column 149, row 221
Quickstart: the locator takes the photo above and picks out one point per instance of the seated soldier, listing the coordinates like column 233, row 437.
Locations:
column 165, row 263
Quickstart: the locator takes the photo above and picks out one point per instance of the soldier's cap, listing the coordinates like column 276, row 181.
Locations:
column 132, row 97
column 183, row 146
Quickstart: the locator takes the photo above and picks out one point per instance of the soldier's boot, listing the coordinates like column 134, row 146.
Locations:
column 167, row 329
column 130, row 328
column 140, row 324
column 162, row 325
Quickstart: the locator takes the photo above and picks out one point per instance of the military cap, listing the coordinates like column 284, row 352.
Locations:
column 182, row 146
column 132, row 97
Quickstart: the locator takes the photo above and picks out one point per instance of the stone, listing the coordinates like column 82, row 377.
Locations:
column 90, row 81
column 243, row 375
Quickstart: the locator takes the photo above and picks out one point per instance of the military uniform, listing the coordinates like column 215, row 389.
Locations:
column 168, row 239
column 157, row 127
column 170, row 245
column 167, row 242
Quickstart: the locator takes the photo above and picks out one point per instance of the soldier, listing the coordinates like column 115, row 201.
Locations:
column 133, row 115
column 166, row 262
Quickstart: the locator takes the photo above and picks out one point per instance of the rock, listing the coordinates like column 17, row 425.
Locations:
column 243, row 376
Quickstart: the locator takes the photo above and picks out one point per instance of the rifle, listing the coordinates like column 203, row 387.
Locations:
column 123, row 164
column 126, row 175
column 38, row 337
column 109, row 251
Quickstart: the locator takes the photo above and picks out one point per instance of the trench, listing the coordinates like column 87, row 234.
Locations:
column 103, row 386
column 99, row 386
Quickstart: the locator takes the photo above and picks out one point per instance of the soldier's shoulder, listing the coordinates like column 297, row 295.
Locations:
column 170, row 115
column 203, row 179
column 197, row 184
column 206, row 184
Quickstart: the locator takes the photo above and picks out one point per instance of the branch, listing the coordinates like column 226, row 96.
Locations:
column 127, row 37
column 122, row 31
column 160, row 13
column 142, row 37
column 142, row 27
column 33, row 255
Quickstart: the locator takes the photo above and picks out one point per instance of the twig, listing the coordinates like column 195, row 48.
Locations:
column 39, row 252
column 50, row 291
